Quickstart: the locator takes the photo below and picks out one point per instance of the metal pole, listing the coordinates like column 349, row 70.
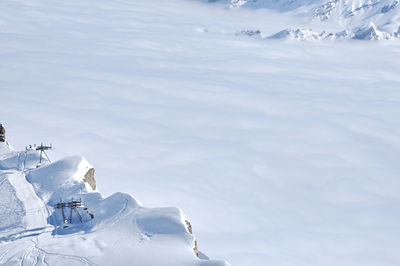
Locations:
column 62, row 211
column 47, row 156
column 70, row 214
column 41, row 152
column 77, row 214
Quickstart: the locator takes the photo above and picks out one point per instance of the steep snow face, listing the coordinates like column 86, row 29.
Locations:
column 11, row 207
column 112, row 231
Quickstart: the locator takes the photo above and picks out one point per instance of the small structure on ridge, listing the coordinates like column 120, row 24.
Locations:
column 2, row 133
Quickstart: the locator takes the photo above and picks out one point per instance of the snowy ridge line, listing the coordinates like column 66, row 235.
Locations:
column 43, row 236
column 369, row 32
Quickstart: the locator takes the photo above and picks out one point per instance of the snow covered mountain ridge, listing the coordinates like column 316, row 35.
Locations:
column 368, row 20
column 369, row 32
column 54, row 215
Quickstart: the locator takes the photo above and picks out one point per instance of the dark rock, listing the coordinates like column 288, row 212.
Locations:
column 248, row 33
column 2, row 133
column 387, row 8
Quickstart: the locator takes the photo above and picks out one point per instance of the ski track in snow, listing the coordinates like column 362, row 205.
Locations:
column 36, row 211
column 35, row 255
column 34, row 222
column 63, row 257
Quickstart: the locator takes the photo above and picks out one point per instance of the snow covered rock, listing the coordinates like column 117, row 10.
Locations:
column 361, row 33
column 372, row 33
column 298, row 34
column 40, row 224
column 249, row 33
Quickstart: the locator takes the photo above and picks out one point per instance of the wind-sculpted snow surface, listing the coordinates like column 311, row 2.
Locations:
column 113, row 231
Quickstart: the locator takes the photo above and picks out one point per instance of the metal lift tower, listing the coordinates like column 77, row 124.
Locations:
column 42, row 150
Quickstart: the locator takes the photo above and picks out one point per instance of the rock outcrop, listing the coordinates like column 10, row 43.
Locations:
column 2, row 133
column 89, row 178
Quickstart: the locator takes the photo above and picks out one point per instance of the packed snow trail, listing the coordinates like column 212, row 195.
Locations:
column 35, row 209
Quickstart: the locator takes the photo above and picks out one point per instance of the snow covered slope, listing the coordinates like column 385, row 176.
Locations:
column 113, row 231
column 369, row 32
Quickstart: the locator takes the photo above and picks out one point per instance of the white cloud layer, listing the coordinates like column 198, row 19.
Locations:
column 279, row 153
